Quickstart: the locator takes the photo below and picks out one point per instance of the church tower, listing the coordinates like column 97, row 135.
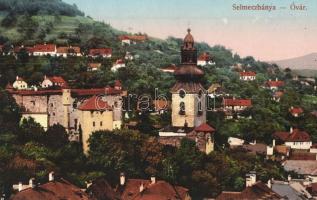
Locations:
column 188, row 95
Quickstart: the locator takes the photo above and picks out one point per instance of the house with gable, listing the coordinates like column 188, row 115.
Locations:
column 295, row 139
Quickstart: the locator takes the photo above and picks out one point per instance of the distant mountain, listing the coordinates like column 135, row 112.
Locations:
column 299, row 63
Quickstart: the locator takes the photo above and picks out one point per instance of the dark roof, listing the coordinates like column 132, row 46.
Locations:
column 255, row 148
column 160, row 190
column 257, row 191
column 189, row 87
column 54, row 190
column 101, row 189
column 189, row 70
column 302, row 156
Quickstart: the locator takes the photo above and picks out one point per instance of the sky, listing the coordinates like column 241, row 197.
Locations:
column 266, row 35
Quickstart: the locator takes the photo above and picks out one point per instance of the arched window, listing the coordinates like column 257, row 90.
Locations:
column 182, row 108
column 200, row 109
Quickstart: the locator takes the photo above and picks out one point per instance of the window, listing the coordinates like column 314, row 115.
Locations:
column 200, row 110
column 93, row 124
column 100, row 123
column 182, row 93
column 182, row 108
column 200, row 93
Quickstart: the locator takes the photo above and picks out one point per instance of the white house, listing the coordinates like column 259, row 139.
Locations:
column 204, row 59
column 20, row 84
column 117, row 65
column 274, row 85
column 53, row 81
column 128, row 56
column 232, row 141
column 295, row 139
column 236, row 104
column 247, row 76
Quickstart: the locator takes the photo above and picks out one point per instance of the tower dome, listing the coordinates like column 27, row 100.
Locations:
column 188, row 40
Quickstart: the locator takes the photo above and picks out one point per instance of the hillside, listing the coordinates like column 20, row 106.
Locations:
column 303, row 62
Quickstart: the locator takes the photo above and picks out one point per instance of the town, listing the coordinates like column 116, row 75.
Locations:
column 116, row 115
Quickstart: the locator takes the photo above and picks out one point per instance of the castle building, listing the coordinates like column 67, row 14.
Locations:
column 188, row 103
column 75, row 109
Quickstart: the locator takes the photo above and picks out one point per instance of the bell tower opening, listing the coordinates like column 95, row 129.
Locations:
column 188, row 99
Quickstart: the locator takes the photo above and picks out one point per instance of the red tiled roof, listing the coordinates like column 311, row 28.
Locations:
column 139, row 38
column 117, row 83
column 68, row 50
column 204, row 128
column 278, row 94
column 100, row 51
column 314, row 189
column 53, row 190
column 95, row 103
column 95, row 91
column 247, row 74
column 204, row 57
column 237, row 102
column 161, row 190
column 44, row 48
column 57, row 79
column 275, row 83
column 119, row 61
column 296, row 110
column 76, row 92
column 295, row 136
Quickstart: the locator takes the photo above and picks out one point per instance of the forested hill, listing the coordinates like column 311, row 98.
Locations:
column 39, row 7
column 29, row 22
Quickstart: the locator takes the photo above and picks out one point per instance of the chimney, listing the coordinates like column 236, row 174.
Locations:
column 291, row 130
column 20, row 186
column 141, row 187
column 32, row 183
column 122, row 179
column 17, row 77
column 273, row 143
column 269, row 184
column 153, row 179
column 276, row 79
column 51, row 176
column 250, row 179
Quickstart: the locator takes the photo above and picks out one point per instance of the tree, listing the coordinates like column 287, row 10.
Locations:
column 56, row 136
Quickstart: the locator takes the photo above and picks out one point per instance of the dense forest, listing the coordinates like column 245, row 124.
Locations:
column 38, row 7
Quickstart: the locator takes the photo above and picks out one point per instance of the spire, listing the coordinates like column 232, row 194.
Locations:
column 188, row 51
column 188, row 40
